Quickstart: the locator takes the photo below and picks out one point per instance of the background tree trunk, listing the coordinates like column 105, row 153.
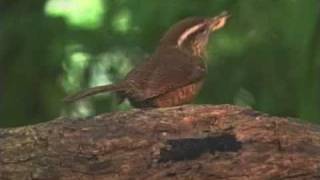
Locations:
column 187, row 142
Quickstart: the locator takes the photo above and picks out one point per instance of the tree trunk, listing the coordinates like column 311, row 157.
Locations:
column 186, row 142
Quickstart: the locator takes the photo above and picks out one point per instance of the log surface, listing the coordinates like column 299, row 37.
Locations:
column 186, row 142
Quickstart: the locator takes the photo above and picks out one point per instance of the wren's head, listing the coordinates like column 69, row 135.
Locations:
column 192, row 34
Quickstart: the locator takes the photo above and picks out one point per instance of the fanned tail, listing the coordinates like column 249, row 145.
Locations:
column 93, row 91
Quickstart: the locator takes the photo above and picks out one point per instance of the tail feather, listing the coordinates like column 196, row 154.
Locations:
column 93, row 91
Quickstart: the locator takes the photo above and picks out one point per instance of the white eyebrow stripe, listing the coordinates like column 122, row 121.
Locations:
column 188, row 32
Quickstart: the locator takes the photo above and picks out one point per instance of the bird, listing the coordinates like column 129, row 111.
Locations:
column 174, row 74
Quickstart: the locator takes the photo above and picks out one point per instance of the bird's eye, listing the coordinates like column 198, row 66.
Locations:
column 203, row 30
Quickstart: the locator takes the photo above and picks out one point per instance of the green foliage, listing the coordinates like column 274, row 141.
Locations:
column 86, row 14
column 266, row 57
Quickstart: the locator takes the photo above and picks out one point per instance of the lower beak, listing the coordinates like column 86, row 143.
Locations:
column 219, row 21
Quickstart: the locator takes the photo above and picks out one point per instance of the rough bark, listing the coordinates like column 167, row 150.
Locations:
column 187, row 142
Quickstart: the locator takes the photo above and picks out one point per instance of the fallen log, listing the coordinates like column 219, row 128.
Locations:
column 186, row 142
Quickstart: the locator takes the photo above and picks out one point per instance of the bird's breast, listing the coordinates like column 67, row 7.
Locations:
column 179, row 96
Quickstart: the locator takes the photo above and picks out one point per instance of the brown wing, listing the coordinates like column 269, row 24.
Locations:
column 165, row 72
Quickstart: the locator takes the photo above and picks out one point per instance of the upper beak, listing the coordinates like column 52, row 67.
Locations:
column 224, row 14
column 219, row 21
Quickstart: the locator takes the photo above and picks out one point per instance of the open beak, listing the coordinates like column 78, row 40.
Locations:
column 219, row 21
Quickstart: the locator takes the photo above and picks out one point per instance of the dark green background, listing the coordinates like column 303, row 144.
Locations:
column 266, row 57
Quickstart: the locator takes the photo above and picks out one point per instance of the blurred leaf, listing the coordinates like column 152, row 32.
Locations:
column 86, row 14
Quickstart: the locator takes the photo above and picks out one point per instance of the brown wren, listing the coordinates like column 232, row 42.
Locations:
column 175, row 72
